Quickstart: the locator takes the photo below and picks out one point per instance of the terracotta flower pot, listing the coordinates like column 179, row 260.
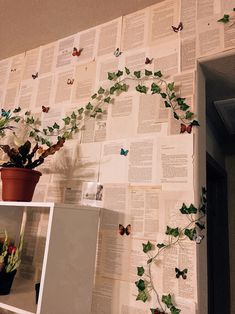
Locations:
column 18, row 184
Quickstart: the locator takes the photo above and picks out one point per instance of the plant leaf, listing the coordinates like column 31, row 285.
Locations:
column 137, row 74
column 147, row 247
column 190, row 233
column 140, row 271
column 140, row 284
column 142, row 296
column 172, row 231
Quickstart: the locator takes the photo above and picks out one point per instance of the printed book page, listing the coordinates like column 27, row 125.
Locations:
column 135, row 30
column 109, row 36
column 175, row 162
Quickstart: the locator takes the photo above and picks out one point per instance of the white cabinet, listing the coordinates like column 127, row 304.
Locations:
column 61, row 256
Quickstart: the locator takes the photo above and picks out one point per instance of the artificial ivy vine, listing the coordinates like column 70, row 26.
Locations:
column 192, row 231
column 95, row 107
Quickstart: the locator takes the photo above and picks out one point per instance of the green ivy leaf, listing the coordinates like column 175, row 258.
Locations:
column 17, row 119
column 190, row 233
column 142, row 296
column 202, row 208
column 147, row 247
column 56, row 126
column 164, row 95
column 176, row 116
column 30, row 120
column 195, row 122
column 167, row 104
column 225, row 19
column 137, row 74
column 80, row 111
column 171, row 86
column 140, row 284
column 148, row 73
column 160, row 245
column 188, row 210
column 127, row 71
column 140, row 271
column 89, row 106
column 66, row 120
column 119, row 73
column 166, row 299
column 98, row 110
column 17, row 110
column 200, row 226
column 192, row 209
column 27, row 113
column 107, row 99
column 111, row 76
column 189, row 115
column 184, row 209
column 149, row 260
column 124, row 87
column 50, row 129
column 94, row 96
column 180, row 101
column 45, row 131
column 172, row 231
column 184, row 107
column 101, row 91
column 158, row 74
column 112, row 90
column 174, row 310
column 73, row 115
column 141, row 89
column 155, row 89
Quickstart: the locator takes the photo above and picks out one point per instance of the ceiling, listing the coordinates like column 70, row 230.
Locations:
column 27, row 24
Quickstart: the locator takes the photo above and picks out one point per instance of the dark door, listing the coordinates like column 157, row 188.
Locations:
column 217, row 239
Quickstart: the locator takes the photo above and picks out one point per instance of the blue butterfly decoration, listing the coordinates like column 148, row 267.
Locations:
column 5, row 113
column 124, row 152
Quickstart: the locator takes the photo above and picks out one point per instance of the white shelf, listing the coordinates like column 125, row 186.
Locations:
column 67, row 266
column 21, row 299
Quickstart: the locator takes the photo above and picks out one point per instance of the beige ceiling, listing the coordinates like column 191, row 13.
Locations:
column 27, row 24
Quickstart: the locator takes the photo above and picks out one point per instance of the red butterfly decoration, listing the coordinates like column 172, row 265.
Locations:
column 179, row 28
column 45, row 109
column 123, row 230
column 185, row 128
column 76, row 52
column 148, row 61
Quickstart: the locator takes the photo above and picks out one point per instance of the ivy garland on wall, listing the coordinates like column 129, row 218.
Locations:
column 74, row 122
column 193, row 232
column 147, row 82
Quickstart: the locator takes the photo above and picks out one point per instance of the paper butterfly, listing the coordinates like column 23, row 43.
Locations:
column 198, row 238
column 76, row 52
column 13, row 70
column 45, row 109
column 179, row 28
column 181, row 273
column 124, row 152
column 34, row 76
column 185, row 128
column 148, row 61
column 123, row 230
column 117, row 52
column 70, row 81
column 5, row 113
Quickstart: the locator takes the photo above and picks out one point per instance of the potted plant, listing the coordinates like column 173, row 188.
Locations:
column 10, row 259
column 18, row 175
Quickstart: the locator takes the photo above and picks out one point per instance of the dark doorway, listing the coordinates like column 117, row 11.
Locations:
column 217, row 239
